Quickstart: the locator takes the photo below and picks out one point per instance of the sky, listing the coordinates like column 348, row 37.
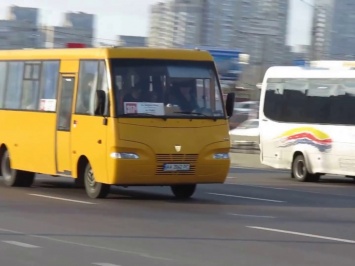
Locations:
column 131, row 17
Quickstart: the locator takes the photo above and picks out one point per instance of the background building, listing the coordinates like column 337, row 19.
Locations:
column 131, row 41
column 257, row 28
column 76, row 28
column 333, row 34
column 20, row 29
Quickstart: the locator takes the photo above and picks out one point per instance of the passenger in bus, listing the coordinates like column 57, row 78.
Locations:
column 154, row 97
column 135, row 95
column 183, row 97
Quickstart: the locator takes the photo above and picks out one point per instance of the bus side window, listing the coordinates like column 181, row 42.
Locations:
column 3, row 74
column 103, row 86
column 13, row 90
column 49, row 83
column 88, row 80
column 30, row 86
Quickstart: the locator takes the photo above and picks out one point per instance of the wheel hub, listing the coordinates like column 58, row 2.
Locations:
column 300, row 169
column 91, row 179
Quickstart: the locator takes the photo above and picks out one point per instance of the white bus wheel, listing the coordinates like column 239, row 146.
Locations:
column 300, row 172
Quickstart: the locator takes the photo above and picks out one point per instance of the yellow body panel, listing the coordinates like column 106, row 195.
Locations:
column 89, row 139
column 154, row 141
column 69, row 66
column 30, row 139
column 102, row 53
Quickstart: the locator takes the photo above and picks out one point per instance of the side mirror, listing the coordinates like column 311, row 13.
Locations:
column 230, row 104
column 100, row 102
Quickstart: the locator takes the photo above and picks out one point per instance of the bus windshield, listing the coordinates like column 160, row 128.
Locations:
column 166, row 88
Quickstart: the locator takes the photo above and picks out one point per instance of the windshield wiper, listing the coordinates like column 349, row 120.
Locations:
column 191, row 113
column 138, row 114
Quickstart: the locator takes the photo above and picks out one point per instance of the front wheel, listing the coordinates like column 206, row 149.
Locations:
column 94, row 189
column 183, row 191
column 300, row 172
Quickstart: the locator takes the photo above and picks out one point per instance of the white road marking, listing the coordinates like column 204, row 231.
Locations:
column 303, row 234
column 144, row 255
column 261, row 169
column 294, row 190
column 252, row 216
column 241, row 197
column 104, row 264
column 265, row 187
column 11, row 231
column 63, row 199
column 20, row 244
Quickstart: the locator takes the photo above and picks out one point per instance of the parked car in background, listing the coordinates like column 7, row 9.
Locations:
column 246, row 135
column 243, row 111
column 246, row 107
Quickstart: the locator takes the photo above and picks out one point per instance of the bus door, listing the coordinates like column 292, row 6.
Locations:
column 89, row 121
column 63, row 131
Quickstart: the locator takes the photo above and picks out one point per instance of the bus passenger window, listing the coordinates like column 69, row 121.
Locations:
column 3, row 73
column 49, row 80
column 13, row 90
column 88, row 81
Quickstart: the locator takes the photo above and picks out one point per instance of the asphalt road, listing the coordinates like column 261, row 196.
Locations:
column 259, row 217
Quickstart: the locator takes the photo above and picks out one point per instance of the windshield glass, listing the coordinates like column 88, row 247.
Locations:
column 166, row 88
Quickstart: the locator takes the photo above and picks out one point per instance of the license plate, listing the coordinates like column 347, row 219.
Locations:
column 176, row 167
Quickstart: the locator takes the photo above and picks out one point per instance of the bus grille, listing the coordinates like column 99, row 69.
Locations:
column 176, row 158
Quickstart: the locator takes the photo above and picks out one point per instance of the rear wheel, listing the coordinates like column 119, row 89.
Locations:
column 12, row 177
column 94, row 189
column 183, row 191
column 300, row 172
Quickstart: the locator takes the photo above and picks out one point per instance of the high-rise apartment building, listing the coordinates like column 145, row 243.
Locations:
column 257, row 27
column 76, row 28
column 20, row 30
column 320, row 32
column 342, row 33
column 131, row 41
column 333, row 33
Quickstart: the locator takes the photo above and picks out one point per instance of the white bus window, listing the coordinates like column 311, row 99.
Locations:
column 325, row 101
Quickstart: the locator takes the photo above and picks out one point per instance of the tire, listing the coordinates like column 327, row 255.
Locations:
column 12, row 177
column 183, row 191
column 94, row 190
column 300, row 172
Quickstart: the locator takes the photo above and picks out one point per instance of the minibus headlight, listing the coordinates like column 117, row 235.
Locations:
column 124, row 155
column 219, row 156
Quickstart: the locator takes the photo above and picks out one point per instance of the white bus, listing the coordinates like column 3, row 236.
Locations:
column 307, row 121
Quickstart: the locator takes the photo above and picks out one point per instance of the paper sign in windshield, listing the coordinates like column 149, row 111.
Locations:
column 144, row 108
